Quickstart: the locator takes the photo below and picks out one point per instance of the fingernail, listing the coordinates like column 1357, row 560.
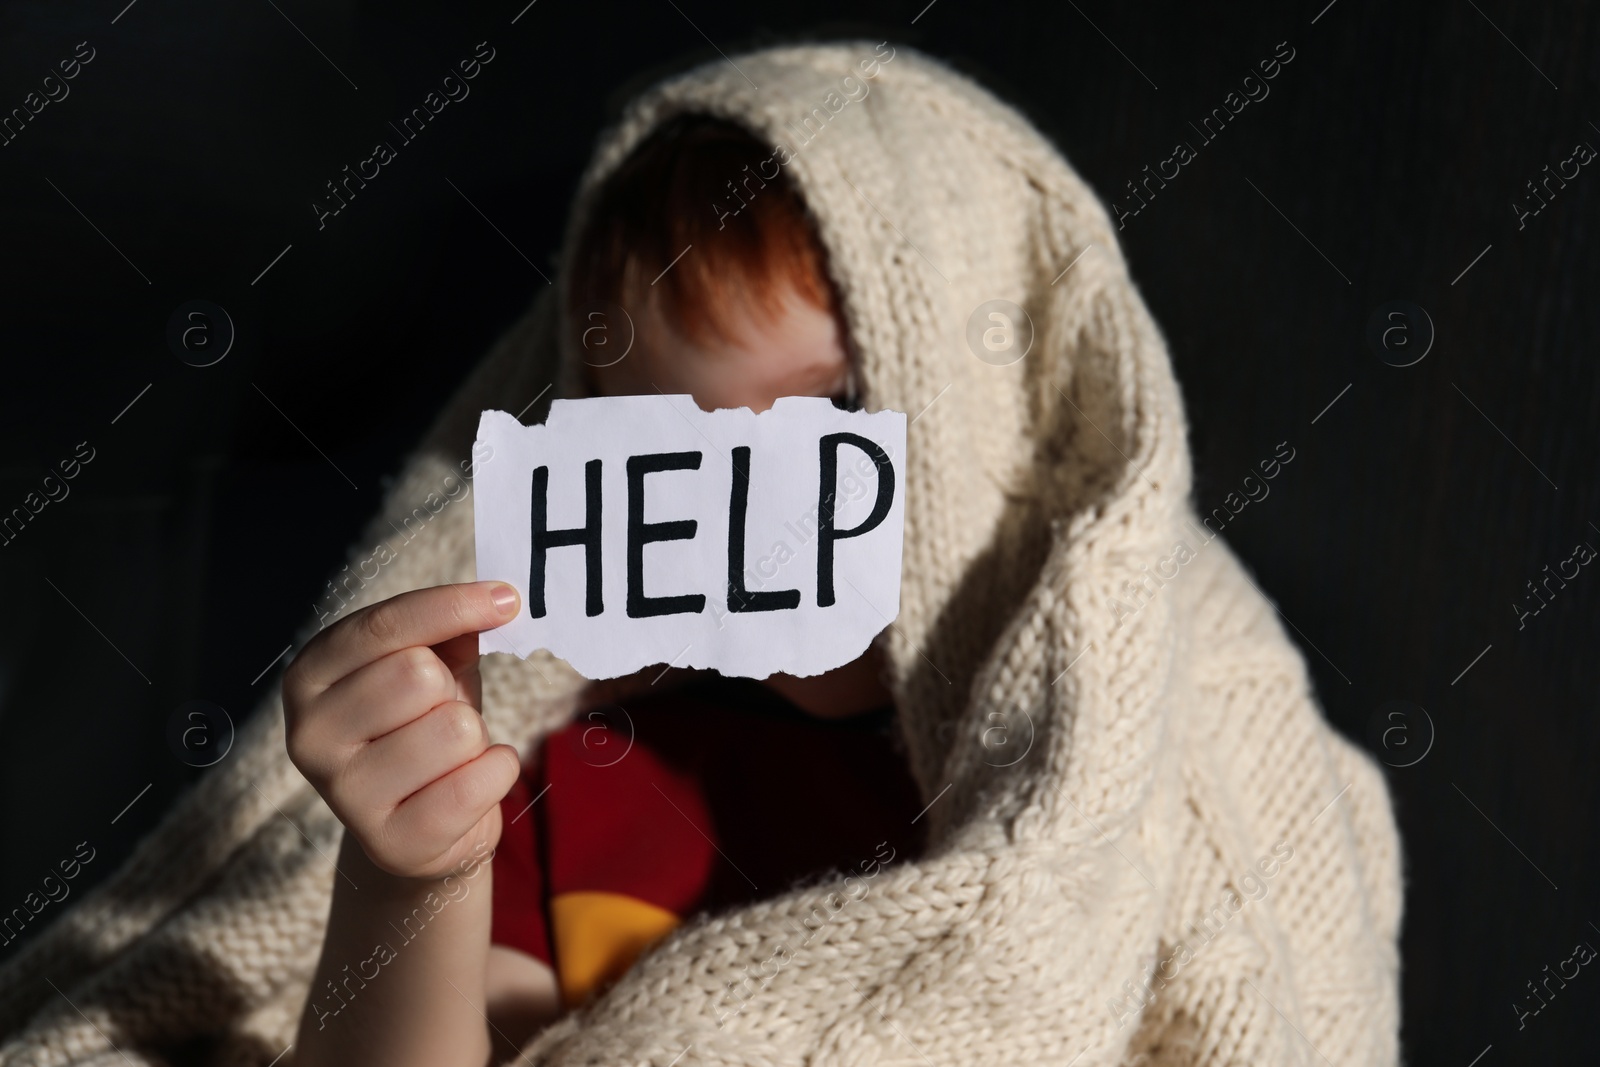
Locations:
column 504, row 597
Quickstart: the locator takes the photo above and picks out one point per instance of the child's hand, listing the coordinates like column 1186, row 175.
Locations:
column 382, row 714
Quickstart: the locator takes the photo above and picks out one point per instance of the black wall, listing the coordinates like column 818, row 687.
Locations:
column 1384, row 166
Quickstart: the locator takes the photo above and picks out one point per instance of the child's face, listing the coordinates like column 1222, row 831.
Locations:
column 800, row 353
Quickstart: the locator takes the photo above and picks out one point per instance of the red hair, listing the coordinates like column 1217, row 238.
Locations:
column 708, row 185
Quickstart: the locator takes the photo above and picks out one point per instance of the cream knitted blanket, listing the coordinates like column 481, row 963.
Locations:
column 1147, row 846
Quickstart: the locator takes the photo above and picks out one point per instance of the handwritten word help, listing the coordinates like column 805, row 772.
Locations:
column 630, row 524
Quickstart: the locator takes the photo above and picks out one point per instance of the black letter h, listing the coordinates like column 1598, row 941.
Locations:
column 587, row 535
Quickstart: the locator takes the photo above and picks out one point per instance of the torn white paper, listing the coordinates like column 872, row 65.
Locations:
column 643, row 530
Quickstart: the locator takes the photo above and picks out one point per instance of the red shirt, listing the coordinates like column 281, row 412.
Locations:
column 628, row 821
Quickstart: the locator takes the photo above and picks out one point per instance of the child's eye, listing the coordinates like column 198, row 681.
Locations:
column 846, row 401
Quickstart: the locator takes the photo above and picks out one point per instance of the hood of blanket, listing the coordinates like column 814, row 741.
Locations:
column 1035, row 486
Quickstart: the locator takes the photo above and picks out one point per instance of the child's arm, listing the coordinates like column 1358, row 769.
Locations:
column 391, row 1000
column 381, row 711
column 523, row 998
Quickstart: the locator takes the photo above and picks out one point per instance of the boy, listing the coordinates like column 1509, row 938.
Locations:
column 731, row 306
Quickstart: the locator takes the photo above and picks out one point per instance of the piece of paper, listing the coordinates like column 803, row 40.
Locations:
column 619, row 520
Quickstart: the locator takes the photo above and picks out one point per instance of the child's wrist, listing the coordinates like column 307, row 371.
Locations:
column 359, row 872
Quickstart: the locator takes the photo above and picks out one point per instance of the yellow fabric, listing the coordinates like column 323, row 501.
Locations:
column 598, row 935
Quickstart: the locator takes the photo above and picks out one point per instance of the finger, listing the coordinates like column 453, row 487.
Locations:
column 380, row 697
column 459, row 654
column 420, row 617
column 388, row 770
column 431, row 820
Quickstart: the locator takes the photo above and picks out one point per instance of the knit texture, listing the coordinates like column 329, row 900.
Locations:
column 1146, row 844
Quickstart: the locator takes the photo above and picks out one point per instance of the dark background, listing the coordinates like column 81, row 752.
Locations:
column 1387, row 157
